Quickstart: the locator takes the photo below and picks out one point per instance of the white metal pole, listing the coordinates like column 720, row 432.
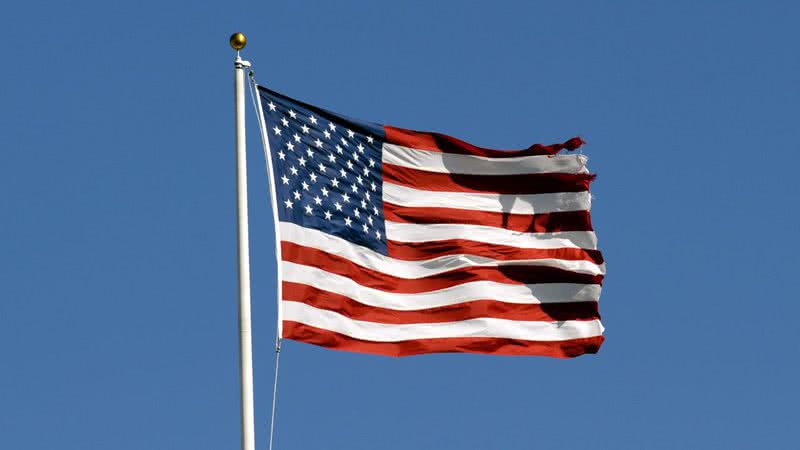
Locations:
column 245, row 336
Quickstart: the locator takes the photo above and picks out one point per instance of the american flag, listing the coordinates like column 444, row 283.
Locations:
column 401, row 242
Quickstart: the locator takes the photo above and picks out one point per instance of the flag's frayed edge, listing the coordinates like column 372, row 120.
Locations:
column 570, row 145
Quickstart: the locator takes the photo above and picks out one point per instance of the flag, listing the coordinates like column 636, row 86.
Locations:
column 401, row 242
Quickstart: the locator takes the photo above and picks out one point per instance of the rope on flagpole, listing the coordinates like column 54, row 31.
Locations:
column 262, row 125
column 274, row 391
column 256, row 100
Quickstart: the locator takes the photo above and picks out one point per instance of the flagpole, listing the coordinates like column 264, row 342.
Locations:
column 238, row 41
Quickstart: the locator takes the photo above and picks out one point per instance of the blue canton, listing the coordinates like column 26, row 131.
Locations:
column 327, row 170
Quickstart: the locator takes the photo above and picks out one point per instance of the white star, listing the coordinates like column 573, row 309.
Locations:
column 354, row 188
column 276, row 130
column 356, row 212
column 335, row 182
column 347, row 221
column 324, row 191
column 313, row 119
column 366, row 228
column 296, row 195
column 281, row 155
column 318, row 143
column 378, row 235
column 332, row 126
column 359, row 179
column 369, row 139
column 339, row 150
column 321, row 167
column 338, row 206
column 296, row 137
column 271, row 106
column 313, row 177
column 293, row 114
column 366, row 194
column 290, row 146
column 302, row 161
column 343, row 173
column 294, row 170
column 305, row 185
column 364, row 204
column 371, row 163
column 308, row 209
column 288, row 203
column 355, row 156
column 375, row 210
column 284, row 179
column 332, row 158
column 372, row 186
column 309, row 152
column 305, row 128
column 284, row 121
column 360, row 148
column 350, row 165
column 365, row 171
column 344, row 142
column 369, row 219
column 350, row 133
column 346, row 197
column 317, row 200
column 327, row 134
column 328, row 215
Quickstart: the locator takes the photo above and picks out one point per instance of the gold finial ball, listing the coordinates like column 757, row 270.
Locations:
column 238, row 41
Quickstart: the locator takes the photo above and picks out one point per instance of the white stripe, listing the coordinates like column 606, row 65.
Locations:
column 469, row 164
column 483, row 327
column 502, row 203
column 412, row 232
column 475, row 290
column 370, row 259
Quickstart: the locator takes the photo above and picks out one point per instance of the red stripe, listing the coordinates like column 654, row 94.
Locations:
column 415, row 251
column 496, row 346
column 447, row 144
column 527, row 223
column 511, row 274
column 355, row 310
column 538, row 183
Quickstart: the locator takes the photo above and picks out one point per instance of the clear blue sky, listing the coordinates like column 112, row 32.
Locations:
column 117, row 256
